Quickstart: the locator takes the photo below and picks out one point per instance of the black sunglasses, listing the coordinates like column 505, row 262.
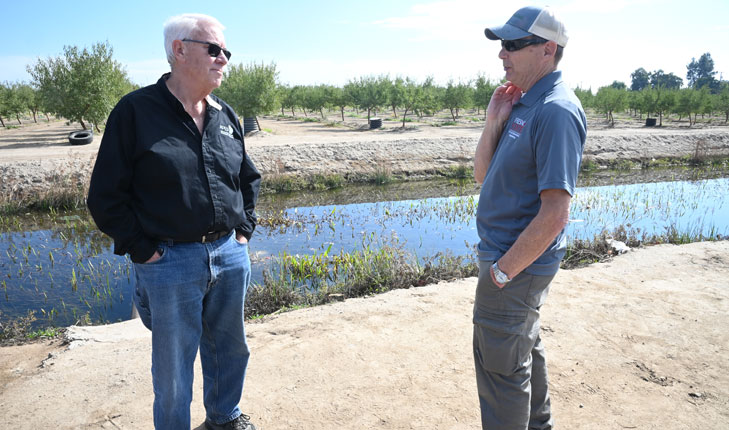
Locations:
column 213, row 48
column 515, row 45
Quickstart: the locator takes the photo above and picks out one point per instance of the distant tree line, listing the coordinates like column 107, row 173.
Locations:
column 659, row 93
column 253, row 90
column 83, row 86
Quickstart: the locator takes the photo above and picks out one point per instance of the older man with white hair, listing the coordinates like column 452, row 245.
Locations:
column 528, row 158
column 175, row 189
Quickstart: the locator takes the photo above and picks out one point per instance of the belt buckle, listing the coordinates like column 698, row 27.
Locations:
column 206, row 237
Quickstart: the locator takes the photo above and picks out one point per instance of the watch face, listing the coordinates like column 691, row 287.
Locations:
column 502, row 278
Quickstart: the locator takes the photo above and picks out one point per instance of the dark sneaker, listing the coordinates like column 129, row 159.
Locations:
column 241, row 423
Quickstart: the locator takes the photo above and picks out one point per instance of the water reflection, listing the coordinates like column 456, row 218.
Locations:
column 63, row 268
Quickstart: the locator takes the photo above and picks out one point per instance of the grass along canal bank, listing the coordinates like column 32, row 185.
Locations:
column 345, row 245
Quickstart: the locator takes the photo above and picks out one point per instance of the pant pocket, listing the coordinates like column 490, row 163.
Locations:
column 141, row 302
column 500, row 339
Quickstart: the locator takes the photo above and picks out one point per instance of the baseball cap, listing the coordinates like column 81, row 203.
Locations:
column 527, row 21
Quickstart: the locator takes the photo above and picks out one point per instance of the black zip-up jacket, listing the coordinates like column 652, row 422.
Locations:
column 157, row 177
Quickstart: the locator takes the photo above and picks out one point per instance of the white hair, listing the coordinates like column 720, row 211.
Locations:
column 184, row 26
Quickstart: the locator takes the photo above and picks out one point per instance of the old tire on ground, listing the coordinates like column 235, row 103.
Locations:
column 83, row 137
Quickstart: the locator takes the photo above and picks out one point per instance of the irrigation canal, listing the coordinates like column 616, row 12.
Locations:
column 61, row 267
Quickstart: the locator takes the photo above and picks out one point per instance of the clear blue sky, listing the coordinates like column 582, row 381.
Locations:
column 327, row 41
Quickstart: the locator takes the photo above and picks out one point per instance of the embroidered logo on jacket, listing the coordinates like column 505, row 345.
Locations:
column 516, row 127
column 227, row 130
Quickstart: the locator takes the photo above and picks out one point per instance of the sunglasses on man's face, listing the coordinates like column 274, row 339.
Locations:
column 515, row 45
column 213, row 48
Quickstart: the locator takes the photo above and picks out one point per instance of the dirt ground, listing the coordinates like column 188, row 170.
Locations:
column 35, row 155
column 636, row 343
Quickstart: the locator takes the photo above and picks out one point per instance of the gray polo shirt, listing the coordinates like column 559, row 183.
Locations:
column 539, row 149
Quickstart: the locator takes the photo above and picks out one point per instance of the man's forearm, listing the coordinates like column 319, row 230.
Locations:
column 539, row 234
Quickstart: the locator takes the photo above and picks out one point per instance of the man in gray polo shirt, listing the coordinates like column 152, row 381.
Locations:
column 528, row 158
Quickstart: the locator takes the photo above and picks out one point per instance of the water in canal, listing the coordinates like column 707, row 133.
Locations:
column 62, row 267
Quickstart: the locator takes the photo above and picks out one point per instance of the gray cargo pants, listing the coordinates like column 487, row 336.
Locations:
column 511, row 368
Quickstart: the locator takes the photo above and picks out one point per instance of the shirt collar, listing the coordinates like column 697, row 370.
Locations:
column 213, row 103
column 162, row 85
column 542, row 86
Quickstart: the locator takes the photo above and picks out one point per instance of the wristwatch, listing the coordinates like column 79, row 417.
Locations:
column 500, row 276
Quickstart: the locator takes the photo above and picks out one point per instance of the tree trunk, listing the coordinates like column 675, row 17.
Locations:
column 17, row 115
column 282, row 112
column 368, row 115
column 404, row 114
column 292, row 112
column 660, row 119
column 258, row 124
column 321, row 111
column 96, row 126
column 82, row 123
column 35, row 119
column 394, row 112
column 342, row 108
column 48, row 119
column 2, row 122
column 452, row 115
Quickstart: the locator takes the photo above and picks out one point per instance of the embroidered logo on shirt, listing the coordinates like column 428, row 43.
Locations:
column 516, row 127
column 226, row 130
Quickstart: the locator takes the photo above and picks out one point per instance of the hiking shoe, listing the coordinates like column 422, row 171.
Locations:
column 241, row 423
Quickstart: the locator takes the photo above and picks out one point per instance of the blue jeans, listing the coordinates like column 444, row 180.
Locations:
column 193, row 296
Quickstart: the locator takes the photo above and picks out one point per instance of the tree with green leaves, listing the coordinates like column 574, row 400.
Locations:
column 82, row 85
column 395, row 94
column 690, row 101
column 412, row 95
column 657, row 100
column 635, row 103
column 17, row 98
column 316, row 98
column 640, row 79
column 30, row 99
column 340, row 98
column 6, row 96
column 721, row 100
column 483, row 92
column 369, row 93
column 700, row 73
column 430, row 101
column 618, row 85
column 665, row 80
column 457, row 96
column 585, row 97
column 294, row 98
column 250, row 89
column 609, row 100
